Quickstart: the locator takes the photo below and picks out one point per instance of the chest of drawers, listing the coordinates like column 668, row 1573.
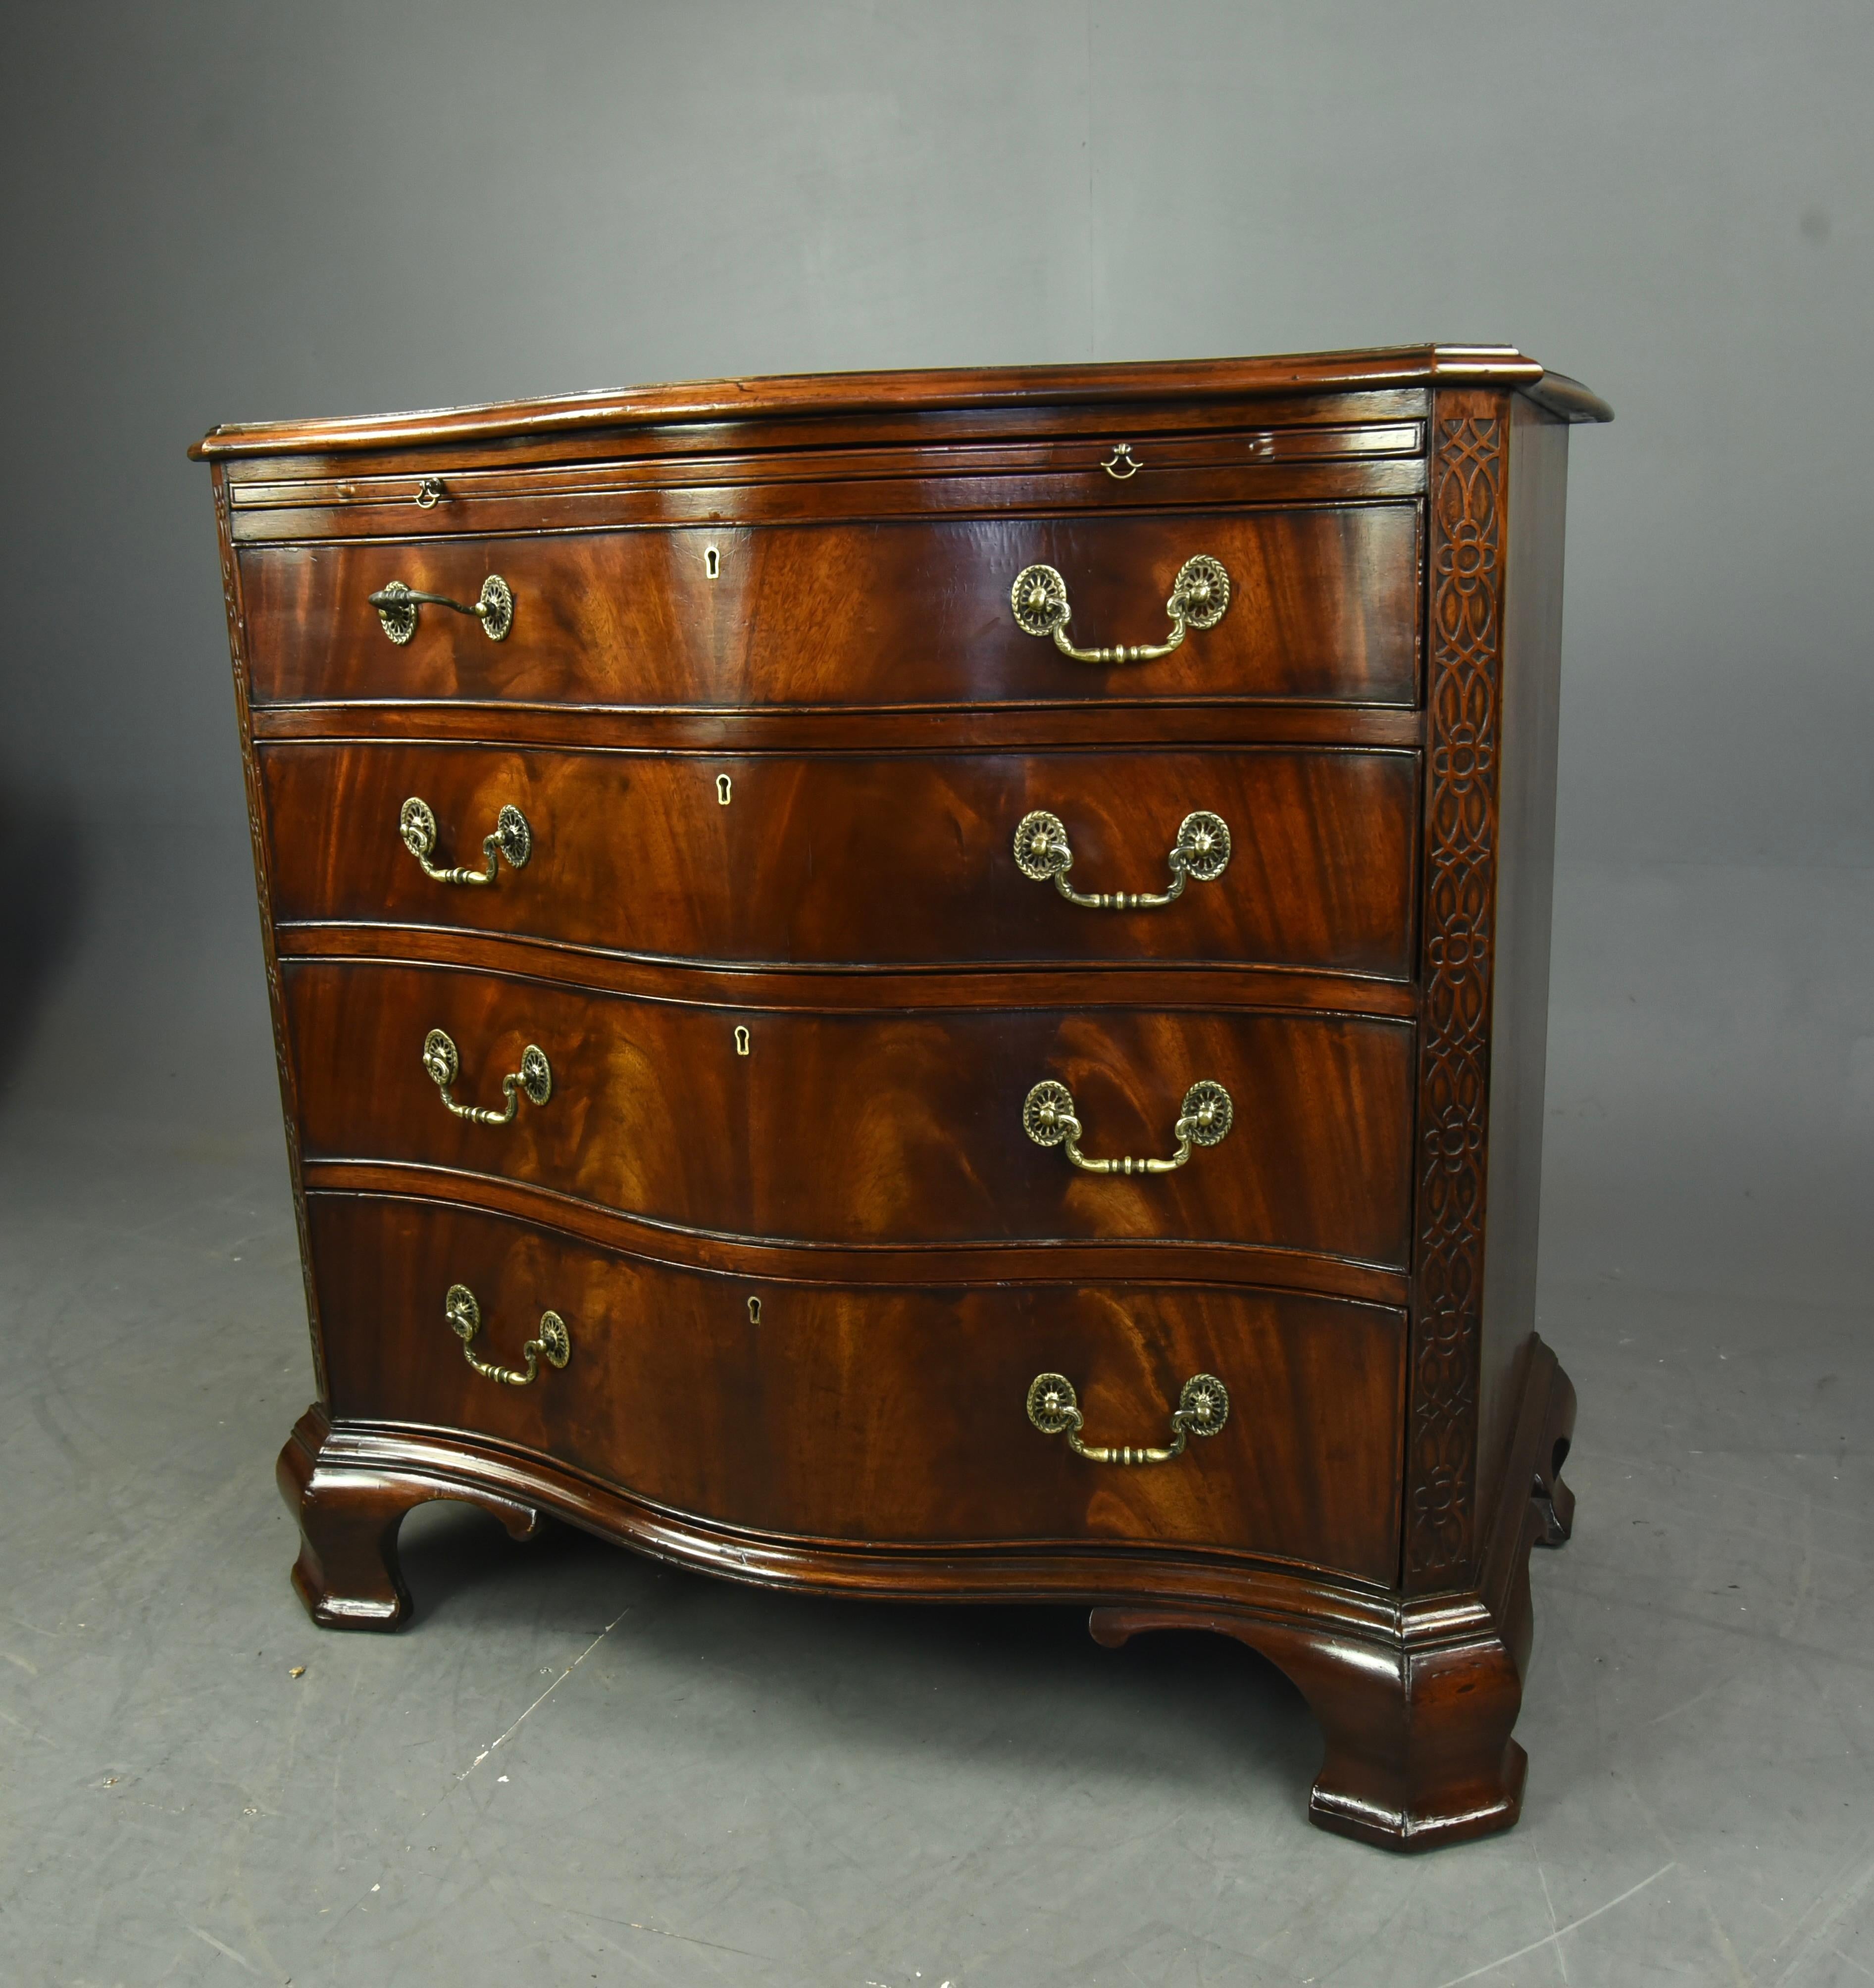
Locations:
column 932, row 985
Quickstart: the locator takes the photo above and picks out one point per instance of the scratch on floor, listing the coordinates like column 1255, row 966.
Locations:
column 32, row 1670
column 664, row 1933
column 220, row 1949
column 542, row 1699
column 1554, row 1924
column 1685, row 1705
column 31, row 1732
column 1550, row 1939
column 1804, row 1572
column 1740, row 1975
column 1822, row 1935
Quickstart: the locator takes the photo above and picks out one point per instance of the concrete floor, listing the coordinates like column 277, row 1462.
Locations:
column 575, row 1766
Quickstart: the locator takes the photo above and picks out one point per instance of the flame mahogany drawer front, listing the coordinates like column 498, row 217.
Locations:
column 857, row 1126
column 1323, row 603
column 874, row 1414
column 867, row 858
column 932, row 985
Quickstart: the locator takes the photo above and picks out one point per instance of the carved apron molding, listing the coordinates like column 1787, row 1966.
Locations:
column 1463, row 703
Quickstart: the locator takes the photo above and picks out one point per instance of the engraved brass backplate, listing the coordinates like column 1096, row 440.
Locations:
column 1207, row 1112
column 1053, row 1405
column 1047, row 1113
column 1039, row 600
column 1200, row 594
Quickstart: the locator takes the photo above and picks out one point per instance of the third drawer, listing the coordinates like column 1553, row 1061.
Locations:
column 891, row 1127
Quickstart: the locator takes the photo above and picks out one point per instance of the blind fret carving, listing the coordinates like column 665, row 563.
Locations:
column 1463, row 703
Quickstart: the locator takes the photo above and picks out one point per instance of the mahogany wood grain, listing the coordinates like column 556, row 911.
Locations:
column 853, row 859
column 962, row 482
column 1324, row 605
column 760, row 444
column 896, row 1127
column 1006, row 1260
column 584, row 727
column 774, row 989
column 1415, row 1698
column 462, row 495
column 1419, row 1751
column 876, row 395
column 1356, row 1259
column 879, row 1416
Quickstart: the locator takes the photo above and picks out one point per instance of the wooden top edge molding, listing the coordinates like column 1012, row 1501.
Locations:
column 711, row 401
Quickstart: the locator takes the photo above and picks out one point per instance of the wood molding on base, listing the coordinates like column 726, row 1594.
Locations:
column 1416, row 1699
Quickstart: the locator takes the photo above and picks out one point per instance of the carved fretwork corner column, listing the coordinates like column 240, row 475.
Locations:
column 1464, row 649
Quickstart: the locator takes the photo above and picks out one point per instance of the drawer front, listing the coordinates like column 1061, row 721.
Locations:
column 1324, row 605
column 874, row 1415
column 871, row 1128
column 853, row 858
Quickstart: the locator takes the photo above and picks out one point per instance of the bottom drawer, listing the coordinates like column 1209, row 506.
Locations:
column 877, row 1414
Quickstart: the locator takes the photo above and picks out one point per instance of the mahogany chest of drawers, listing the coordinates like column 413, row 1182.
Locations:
column 932, row 984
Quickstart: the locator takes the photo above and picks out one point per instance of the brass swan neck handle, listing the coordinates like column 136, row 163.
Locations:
column 534, row 1079
column 553, row 1342
column 396, row 606
column 1201, row 849
column 1049, row 1119
column 416, row 823
column 1200, row 598
column 1204, row 1407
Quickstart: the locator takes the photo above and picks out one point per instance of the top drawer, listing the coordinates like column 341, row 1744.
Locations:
column 1323, row 607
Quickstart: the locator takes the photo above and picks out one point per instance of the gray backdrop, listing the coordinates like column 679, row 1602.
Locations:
column 228, row 212
column 234, row 211
column 231, row 212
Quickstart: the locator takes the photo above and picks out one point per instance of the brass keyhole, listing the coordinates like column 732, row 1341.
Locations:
column 741, row 1040
column 723, row 790
column 754, row 1311
column 712, row 562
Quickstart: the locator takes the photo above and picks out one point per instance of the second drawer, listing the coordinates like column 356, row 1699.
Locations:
column 864, row 858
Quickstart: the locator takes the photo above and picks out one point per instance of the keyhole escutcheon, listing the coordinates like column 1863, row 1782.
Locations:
column 741, row 1040
column 754, row 1311
column 712, row 562
column 723, row 790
